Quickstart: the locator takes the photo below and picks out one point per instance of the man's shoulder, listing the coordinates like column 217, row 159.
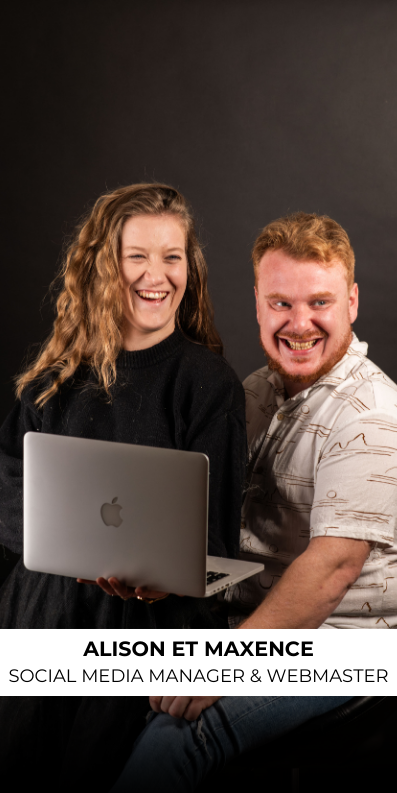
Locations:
column 258, row 381
column 262, row 388
column 371, row 385
column 360, row 403
column 260, row 403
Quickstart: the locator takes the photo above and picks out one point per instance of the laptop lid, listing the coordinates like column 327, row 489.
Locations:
column 97, row 508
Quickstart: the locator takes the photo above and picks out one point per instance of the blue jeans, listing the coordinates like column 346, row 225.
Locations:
column 175, row 754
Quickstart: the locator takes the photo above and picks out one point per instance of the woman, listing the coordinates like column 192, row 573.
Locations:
column 134, row 357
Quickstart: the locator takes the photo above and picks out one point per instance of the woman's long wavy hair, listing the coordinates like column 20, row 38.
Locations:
column 89, row 324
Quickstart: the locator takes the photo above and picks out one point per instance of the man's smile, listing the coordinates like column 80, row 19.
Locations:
column 300, row 344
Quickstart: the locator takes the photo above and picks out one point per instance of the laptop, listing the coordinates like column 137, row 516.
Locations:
column 97, row 508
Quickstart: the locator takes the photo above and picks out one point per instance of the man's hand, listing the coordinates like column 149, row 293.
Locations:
column 313, row 585
column 187, row 707
column 112, row 586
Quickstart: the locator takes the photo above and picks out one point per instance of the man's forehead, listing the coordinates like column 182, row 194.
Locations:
column 277, row 268
column 280, row 256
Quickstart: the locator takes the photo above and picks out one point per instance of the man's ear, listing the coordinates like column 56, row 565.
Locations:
column 353, row 303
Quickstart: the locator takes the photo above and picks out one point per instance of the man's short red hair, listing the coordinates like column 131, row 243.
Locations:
column 304, row 237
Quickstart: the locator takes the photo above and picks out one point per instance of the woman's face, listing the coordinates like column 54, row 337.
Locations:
column 154, row 274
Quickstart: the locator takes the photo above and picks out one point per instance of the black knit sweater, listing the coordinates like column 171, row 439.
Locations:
column 175, row 395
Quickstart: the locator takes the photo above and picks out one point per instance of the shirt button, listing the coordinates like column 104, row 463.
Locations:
column 280, row 416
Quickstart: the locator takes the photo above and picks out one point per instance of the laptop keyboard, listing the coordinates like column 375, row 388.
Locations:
column 211, row 576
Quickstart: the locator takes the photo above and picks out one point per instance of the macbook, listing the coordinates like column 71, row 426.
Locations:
column 140, row 513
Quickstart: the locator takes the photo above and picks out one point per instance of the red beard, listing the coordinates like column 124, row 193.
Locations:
column 326, row 367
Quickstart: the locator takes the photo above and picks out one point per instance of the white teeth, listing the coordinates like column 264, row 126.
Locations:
column 301, row 345
column 151, row 295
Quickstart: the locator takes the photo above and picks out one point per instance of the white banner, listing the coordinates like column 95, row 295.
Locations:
column 228, row 662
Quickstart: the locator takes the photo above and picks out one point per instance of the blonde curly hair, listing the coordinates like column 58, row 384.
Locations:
column 88, row 325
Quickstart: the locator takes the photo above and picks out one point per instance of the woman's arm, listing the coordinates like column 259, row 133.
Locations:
column 23, row 418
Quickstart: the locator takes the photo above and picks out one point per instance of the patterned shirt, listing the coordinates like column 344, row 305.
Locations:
column 323, row 464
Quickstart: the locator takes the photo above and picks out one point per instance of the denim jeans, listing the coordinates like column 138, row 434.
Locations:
column 175, row 754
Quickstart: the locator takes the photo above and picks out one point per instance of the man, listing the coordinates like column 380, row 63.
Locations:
column 320, row 507
column 320, row 504
column 187, row 738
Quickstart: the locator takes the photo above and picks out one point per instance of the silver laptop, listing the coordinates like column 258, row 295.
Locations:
column 96, row 508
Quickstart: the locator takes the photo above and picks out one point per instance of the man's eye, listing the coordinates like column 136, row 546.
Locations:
column 320, row 302
column 282, row 304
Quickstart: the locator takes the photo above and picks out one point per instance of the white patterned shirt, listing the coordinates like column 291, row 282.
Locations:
column 323, row 464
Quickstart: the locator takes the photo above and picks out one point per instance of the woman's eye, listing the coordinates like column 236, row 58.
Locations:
column 173, row 257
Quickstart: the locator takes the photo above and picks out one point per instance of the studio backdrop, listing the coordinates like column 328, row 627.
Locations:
column 251, row 108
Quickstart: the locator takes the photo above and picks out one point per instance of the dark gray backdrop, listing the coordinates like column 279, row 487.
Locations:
column 252, row 109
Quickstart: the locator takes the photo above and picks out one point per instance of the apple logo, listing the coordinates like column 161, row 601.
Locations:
column 110, row 514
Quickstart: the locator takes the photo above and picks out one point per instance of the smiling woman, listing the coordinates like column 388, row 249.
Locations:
column 134, row 357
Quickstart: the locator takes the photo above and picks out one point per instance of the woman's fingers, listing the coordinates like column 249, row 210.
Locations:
column 112, row 586
column 101, row 582
column 149, row 594
column 122, row 590
column 107, row 587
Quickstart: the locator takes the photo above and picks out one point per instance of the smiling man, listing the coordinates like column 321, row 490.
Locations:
column 320, row 507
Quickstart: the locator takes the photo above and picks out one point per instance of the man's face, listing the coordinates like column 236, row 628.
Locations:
column 305, row 311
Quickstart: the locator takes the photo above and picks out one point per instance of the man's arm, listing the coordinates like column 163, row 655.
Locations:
column 313, row 585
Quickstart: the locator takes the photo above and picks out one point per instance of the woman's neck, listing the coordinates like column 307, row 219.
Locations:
column 134, row 340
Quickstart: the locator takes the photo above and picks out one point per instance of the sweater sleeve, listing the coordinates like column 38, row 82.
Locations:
column 218, row 430
column 23, row 418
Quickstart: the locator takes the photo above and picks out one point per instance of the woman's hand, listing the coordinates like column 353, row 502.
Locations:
column 187, row 707
column 112, row 586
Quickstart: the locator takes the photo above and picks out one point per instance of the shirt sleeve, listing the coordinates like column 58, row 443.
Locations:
column 356, row 486
column 218, row 430
column 23, row 418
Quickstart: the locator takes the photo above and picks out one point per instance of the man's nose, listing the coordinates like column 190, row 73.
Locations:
column 300, row 319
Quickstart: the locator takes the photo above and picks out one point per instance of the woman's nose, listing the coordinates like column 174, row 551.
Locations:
column 154, row 271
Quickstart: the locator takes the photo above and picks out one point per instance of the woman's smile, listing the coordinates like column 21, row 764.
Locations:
column 152, row 296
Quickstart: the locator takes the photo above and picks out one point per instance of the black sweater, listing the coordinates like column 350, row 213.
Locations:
column 176, row 395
